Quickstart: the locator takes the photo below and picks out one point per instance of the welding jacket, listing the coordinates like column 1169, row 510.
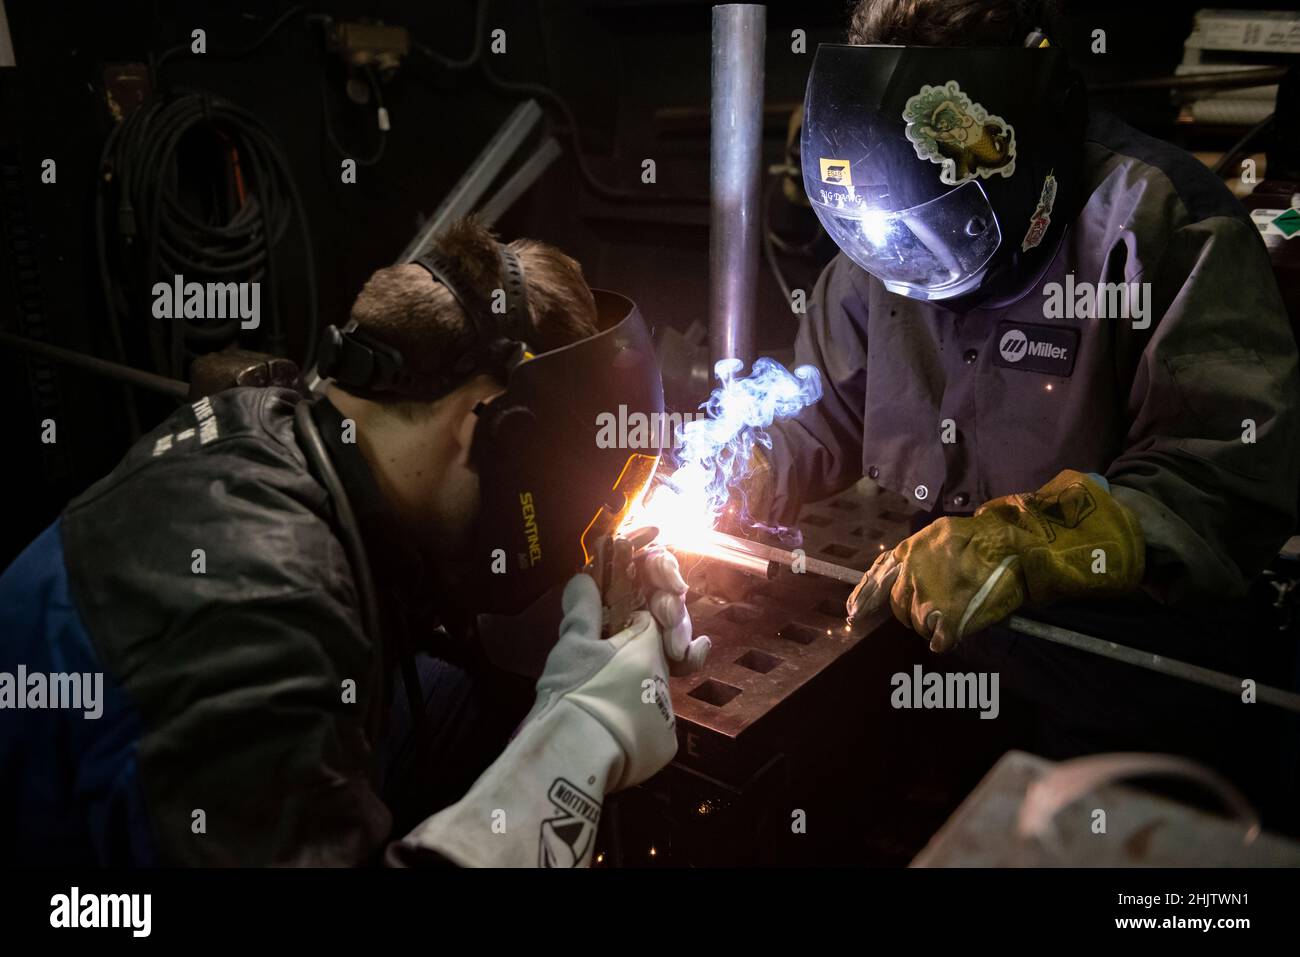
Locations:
column 204, row 577
column 1191, row 416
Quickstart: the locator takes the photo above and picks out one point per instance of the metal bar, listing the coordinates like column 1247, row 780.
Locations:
column 519, row 182
column 742, row 554
column 735, row 148
column 1225, row 80
column 6, row 40
column 138, row 377
column 465, row 195
column 1207, row 677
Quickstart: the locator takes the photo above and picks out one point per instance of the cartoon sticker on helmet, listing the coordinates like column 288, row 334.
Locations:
column 947, row 127
column 1042, row 217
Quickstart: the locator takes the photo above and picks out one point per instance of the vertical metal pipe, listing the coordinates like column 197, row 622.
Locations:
column 736, row 144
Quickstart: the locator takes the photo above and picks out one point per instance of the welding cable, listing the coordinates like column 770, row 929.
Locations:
column 380, row 111
column 549, row 96
column 171, row 53
column 158, row 234
column 769, row 251
column 1240, row 148
column 447, row 63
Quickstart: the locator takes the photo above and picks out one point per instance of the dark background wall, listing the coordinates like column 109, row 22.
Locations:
column 635, row 75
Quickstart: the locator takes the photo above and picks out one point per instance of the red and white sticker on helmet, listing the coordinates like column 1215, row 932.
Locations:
column 948, row 128
column 1042, row 217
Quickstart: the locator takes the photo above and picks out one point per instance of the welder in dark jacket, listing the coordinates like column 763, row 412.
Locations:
column 258, row 569
column 1073, row 353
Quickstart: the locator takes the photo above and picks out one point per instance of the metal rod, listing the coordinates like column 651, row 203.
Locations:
column 519, row 183
column 1225, row 80
column 743, row 555
column 469, row 190
column 1207, row 677
column 466, row 195
column 735, row 148
column 145, row 380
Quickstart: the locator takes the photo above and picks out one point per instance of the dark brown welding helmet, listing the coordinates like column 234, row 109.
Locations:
column 553, row 475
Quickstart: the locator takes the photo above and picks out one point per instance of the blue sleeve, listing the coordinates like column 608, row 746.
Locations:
column 68, row 774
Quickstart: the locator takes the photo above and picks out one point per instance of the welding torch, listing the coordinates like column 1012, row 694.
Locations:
column 759, row 559
column 615, row 566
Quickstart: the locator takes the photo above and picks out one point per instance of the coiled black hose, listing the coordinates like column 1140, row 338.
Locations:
column 224, row 225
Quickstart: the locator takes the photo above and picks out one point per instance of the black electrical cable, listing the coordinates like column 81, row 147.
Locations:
column 769, row 251
column 157, row 235
column 378, row 153
column 556, row 102
column 480, row 33
column 1259, row 130
column 172, row 52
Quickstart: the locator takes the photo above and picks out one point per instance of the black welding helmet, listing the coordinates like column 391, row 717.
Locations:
column 553, row 476
column 943, row 172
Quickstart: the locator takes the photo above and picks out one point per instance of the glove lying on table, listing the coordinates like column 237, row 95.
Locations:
column 959, row 575
column 602, row 721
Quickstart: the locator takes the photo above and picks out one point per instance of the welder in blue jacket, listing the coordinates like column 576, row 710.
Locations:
column 251, row 580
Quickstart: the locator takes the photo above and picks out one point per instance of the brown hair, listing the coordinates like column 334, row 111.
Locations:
column 403, row 307
column 952, row 23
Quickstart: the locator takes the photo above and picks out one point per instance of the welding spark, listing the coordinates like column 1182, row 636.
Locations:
column 715, row 451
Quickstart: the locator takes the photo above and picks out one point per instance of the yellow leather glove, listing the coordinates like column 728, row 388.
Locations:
column 960, row 575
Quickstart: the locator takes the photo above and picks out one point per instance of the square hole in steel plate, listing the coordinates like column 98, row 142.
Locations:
column 759, row 661
column 831, row 607
column 800, row 634
column 763, row 594
column 714, row 692
column 836, row 550
column 812, row 518
column 843, row 505
column 740, row 614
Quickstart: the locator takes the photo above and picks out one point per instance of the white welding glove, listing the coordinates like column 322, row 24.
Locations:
column 602, row 721
column 667, row 603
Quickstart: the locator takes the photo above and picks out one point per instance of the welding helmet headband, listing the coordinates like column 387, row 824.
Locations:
column 553, row 475
column 368, row 367
column 944, row 172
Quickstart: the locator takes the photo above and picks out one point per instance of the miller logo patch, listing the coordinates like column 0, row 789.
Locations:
column 1028, row 347
column 948, row 128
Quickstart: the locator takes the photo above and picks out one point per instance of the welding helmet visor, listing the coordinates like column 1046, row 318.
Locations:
column 937, row 169
column 936, row 250
column 562, row 456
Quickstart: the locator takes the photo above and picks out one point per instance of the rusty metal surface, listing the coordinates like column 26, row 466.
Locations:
column 774, row 638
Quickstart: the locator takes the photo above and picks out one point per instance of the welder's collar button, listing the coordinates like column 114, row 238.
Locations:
column 969, row 356
column 960, row 499
column 921, row 492
column 873, row 472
